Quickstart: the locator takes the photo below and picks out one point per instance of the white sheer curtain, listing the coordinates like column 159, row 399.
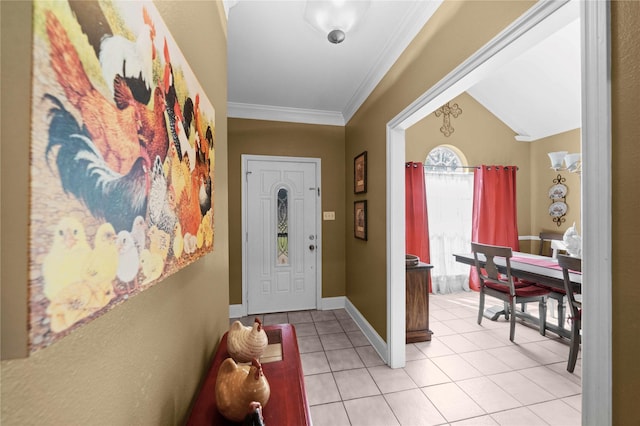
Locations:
column 450, row 205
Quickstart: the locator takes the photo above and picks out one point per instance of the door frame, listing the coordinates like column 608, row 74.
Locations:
column 595, row 189
column 245, row 158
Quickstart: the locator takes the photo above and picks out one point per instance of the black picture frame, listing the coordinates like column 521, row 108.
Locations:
column 360, row 219
column 360, row 173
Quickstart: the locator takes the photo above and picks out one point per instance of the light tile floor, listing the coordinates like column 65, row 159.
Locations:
column 468, row 374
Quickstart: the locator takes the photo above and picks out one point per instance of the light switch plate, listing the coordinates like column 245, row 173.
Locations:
column 329, row 215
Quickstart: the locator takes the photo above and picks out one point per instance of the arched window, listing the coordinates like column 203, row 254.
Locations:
column 449, row 189
column 444, row 159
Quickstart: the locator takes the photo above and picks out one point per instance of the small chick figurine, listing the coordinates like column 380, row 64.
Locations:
column 246, row 343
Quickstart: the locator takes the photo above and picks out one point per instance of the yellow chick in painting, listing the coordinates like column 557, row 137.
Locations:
column 207, row 226
column 152, row 266
column 139, row 233
column 76, row 302
column 65, row 262
column 159, row 242
column 102, row 263
column 128, row 259
column 200, row 236
column 178, row 241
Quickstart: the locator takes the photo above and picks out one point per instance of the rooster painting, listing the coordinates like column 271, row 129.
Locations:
column 83, row 172
column 118, row 55
column 121, row 155
column 113, row 131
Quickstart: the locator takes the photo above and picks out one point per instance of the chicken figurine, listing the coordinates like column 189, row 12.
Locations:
column 246, row 343
column 573, row 241
column 238, row 386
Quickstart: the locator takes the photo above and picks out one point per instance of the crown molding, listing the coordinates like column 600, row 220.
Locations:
column 293, row 115
column 413, row 22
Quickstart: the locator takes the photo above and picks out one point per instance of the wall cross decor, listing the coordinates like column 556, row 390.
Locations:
column 447, row 111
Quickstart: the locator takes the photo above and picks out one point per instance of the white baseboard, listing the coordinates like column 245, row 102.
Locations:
column 332, row 303
column 370, row 333
column 340, row 302
column 237, row 311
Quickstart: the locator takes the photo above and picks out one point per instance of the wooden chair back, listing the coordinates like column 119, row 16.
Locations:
column 574, row 264
column 569, row 263
column 548, row 236
column 491, row 272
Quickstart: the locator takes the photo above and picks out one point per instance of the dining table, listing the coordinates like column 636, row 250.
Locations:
column 531, row 267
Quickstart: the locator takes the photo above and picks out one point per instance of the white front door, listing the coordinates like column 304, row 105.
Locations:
column 282, row 196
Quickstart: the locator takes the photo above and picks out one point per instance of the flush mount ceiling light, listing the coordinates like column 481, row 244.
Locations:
column 335, row 18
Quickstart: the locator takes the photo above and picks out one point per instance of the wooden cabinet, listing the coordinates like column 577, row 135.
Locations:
column 417, row 294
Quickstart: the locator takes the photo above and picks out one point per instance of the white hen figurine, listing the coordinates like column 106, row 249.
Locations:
column 246, row 343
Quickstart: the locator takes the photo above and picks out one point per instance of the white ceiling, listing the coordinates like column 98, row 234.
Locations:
column 280, row 68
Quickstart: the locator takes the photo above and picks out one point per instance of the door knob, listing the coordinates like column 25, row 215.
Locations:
column 312, row 247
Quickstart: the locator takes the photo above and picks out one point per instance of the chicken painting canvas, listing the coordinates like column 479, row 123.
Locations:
column 122, row 161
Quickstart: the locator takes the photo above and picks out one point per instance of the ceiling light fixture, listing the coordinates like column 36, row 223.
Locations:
column 573, row 162
column 335, row 18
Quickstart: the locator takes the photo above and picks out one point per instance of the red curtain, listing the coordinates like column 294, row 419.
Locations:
column 495, row 219
column 416, row 222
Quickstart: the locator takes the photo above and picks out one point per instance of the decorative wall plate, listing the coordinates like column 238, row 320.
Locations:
column 558, row 191
column 558, row 209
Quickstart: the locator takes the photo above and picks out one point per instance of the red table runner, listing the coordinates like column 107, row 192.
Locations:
column 545, row 263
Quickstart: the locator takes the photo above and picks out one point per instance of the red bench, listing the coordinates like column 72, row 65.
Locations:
column 287, row 404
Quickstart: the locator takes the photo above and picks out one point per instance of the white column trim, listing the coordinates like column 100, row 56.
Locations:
column 596, row 214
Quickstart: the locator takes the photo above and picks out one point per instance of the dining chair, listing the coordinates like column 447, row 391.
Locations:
column 557, row 295
column 568, row 263
column 548, row 236
column 502, row 286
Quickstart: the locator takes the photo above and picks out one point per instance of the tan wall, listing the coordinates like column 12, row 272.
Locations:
column 457, row 30
column 258, row 137
column 142, row 362
column 542, row 177
column 625, row 76
column 483, row 139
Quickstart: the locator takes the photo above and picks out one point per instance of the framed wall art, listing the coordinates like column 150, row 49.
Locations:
column 360, row 219
column 360, row 173
column 121, row 165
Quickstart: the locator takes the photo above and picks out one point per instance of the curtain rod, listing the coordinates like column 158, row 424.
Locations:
column 462, row 167
column 451, row 167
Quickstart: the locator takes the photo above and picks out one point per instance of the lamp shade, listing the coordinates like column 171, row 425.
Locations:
column 329, row 15
column 556, row 159
column 572, row 161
